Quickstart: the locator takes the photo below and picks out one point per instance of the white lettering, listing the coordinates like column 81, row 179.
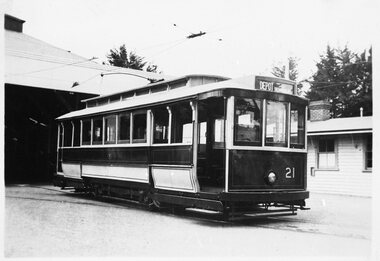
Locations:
column 266, row 86
column 290, row 173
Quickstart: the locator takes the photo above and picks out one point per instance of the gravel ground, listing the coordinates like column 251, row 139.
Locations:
column 44, row 221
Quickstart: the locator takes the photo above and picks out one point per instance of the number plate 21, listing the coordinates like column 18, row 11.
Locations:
column 290, row 173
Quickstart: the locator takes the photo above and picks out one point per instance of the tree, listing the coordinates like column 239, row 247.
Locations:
column 345, row 79
column 122, row 58
column 279, row 69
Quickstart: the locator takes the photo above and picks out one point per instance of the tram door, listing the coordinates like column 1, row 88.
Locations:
column 211, row 144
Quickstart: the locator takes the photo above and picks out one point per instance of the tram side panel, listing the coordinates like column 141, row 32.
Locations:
column 167, row 166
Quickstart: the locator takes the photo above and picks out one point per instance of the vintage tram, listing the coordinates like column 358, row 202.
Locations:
column 235, row 146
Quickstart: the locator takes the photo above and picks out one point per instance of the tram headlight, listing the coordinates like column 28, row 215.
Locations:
column 271, row 178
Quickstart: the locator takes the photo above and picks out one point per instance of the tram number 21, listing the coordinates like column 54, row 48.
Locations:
column 290, row 173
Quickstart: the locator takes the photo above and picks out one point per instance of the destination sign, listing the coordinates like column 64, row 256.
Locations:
column 267, row 84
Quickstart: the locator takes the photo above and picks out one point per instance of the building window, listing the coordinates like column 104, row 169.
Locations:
column 326, row 154
column 139, row 127
column 368, row 152
column 182, row 123
column 160, row 125
column 124, row 129
column 97, row 131
column 248, row 122
column 86, row 132
column 276, row 124
column 110, row 129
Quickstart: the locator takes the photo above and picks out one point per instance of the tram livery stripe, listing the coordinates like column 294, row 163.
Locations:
column 170, row 155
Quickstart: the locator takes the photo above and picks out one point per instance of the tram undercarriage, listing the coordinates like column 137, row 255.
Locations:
column 231, row 206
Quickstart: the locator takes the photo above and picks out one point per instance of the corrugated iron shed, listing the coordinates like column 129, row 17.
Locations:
column 34, row 63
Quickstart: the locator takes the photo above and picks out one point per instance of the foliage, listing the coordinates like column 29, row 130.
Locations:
column 345, row 79
column 122, row 58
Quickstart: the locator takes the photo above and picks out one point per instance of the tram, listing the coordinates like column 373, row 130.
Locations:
column 234, row 146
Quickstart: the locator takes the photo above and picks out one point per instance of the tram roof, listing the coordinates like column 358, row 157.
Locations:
column 173, row 95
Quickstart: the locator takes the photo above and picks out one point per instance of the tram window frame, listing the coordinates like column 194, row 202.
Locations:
column 286, row 128
column 97, row 138
column 136, row 127
column 77, row 133
column 60, row 135
column 121, row 131
column 256, row 121
column 67, row 134
column 181, row 123
column 111, row 130
column 86, row 133
column 300, row 128
column 160, row 134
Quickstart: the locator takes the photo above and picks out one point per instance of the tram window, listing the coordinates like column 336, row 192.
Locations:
column 124, row 128
column 139, row 127
column 161, row 125
column 219, row 132
column 97, row 131
column 182, row 125
column 110, row 129
column 60, row 129
column 297, row 126
column 202, row 136
column 248, row 121
column 86, row 132
column 67, row 134
column 276, row 119
column 76, row 132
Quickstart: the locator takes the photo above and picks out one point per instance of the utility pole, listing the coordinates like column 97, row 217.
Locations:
column 196, row 35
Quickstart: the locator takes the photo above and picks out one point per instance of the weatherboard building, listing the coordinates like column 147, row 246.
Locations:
column 339, row 152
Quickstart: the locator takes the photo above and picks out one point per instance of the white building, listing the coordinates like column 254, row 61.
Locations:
column 339, row 153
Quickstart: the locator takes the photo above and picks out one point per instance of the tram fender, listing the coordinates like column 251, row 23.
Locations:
column 189, row 202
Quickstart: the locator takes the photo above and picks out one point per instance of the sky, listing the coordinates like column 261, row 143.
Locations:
column 242, row 37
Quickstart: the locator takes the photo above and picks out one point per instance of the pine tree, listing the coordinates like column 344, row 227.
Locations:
column 122, row 58
column 345, row 79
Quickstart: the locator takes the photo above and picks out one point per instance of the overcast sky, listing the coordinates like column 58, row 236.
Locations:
column 242, row 37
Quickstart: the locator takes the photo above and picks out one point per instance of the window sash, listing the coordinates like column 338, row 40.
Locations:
column 139, row 127
column 97, row 131
column 124, row 128
column 248, row 121
column 276, row 130
column 86, row 132
column 110, row 129
column 326, row 160
column 368, row 153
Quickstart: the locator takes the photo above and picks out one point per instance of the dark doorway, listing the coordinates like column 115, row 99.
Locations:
column 31, row 131
column 211, row 144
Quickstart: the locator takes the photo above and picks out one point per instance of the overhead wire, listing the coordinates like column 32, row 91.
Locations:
column 53, row 68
